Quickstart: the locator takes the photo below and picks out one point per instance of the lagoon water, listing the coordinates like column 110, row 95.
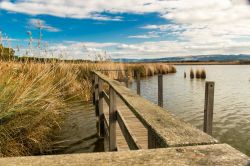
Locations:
column 185, row 98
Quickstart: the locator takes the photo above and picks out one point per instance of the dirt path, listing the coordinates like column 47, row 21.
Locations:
column 78, row 133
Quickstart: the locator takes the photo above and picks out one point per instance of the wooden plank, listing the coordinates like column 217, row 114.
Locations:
column 100, row 104
column 106, row 97
column 112, row 120
column 131, row 140
column 210, row 155
column 208, row 108
column 170, row 130
column 136, row 128
column 106, row 125
column 96, row 93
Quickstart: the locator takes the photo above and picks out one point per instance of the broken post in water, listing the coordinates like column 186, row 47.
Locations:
column 208, row 108
column 160, row 90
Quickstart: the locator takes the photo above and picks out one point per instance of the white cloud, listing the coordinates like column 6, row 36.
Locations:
column 199, row 27
column 147, row 36
column 36, row 23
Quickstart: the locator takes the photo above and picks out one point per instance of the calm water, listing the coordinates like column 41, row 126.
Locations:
column 185, row 98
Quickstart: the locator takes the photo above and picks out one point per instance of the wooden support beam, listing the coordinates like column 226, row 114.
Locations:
column 160, row 90
column 112, row 120
column 93, row 90
column 208, row 108
column 101, row 131
column 96, row 93
column 106, row 98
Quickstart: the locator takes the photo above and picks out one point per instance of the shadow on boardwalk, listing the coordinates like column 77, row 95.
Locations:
column 78, row 133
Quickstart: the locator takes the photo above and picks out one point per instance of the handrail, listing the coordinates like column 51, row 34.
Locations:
column 164, row 129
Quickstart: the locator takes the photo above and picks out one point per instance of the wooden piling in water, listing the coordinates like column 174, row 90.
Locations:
column 138, row 82
column 208, row 108
column 160, row 90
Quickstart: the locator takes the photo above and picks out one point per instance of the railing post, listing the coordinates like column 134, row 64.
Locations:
column 208, row 109
column 96, row 95
column 112, row 120
column 93, row 90
column 151, row 139
column 127, row 80
column 100, row 104
column 138, row 82
column 160, row 90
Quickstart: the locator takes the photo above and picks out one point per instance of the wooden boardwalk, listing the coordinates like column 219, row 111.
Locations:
column 128, row 122
column 135, row 126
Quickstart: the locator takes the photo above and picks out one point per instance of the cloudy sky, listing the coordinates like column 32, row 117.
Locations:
column 129, row 28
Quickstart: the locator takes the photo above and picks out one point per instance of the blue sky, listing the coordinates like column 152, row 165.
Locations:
column 127, row 28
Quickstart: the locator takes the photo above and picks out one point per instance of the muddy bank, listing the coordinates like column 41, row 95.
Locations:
column 78, row 133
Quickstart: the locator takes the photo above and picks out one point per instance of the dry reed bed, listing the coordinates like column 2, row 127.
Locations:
column 199, row 74
column 33, row 96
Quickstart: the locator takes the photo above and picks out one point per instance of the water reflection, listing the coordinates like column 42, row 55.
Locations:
column 185, row 98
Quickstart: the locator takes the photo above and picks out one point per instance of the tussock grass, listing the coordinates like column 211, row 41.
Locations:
column 200, row 74
column 192, row 74
column 203, row 74
column 33, row 97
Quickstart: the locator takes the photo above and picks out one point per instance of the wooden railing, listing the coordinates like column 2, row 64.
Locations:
column 164, row 130
column 188, row 145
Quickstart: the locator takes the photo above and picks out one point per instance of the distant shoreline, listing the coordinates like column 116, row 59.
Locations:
column 200, row 63
column 210, row 63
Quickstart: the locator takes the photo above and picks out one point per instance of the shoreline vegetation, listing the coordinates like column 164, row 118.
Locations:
column 33, row 97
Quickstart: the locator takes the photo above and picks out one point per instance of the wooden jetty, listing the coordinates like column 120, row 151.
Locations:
column 138, row 132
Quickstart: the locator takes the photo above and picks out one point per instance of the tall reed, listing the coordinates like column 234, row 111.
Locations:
column 33, row 98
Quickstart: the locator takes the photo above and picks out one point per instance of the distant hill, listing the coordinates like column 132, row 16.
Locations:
column 199, row 58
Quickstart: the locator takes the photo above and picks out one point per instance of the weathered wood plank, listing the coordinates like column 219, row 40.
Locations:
column 100, row 104
column 96, row 94
column 160, row 90
column 106, row 125
column 106, row 98
column 130, row 139
column 112, row 120
column 208, row 108
column 219, row 155
column 170, row 130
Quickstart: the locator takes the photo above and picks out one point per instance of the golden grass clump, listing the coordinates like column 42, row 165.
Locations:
column 191, row 74
column 203, row 74
column 33, row 97
column 198, row 74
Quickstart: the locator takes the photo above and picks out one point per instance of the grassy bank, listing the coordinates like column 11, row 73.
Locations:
column 33, row 96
